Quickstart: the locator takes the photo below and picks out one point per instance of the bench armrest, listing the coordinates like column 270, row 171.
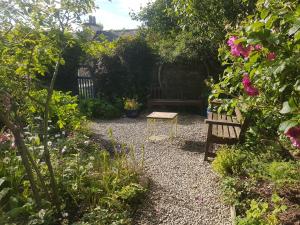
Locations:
column 222, row 122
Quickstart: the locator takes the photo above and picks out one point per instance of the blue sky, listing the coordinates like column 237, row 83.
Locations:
column 115, row 14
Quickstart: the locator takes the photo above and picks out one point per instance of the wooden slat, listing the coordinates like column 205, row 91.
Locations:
column 225, row 128
column 215, row 127
column 236, row 129
column 220, row 127
column 238, row 115
column 231, row 128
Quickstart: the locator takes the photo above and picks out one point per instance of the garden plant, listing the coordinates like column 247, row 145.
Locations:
column 261, row 56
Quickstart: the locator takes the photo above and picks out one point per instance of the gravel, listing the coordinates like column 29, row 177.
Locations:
column 183, row 189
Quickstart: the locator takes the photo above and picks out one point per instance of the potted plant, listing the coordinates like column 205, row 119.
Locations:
column 131, row 107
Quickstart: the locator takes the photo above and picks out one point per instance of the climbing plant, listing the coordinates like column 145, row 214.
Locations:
column 262, row 75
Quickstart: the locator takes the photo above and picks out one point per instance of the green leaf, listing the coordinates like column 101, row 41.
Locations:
column 4, row 192
column 284, row 126
column 295, row 27
column 2, row 180
column 286, row 108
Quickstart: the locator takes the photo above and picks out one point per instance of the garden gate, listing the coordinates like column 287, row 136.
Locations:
column 85, row 83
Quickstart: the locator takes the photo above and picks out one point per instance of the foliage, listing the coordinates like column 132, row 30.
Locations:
column 101, row 108
column 260, row 213
column 95, row 185
column 127, row 59
column 189, row 30
column 284, row 172
column 64, row 112
column 131, row 104
column 229, row 161
column 264, row 57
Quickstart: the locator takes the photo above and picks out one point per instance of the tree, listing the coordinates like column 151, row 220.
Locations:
column 190, row 30
column 34, row 36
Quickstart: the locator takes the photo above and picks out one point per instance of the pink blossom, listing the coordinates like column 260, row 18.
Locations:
column 258, row 47
column 248, row 87
column 246, row 51
column 238, row 49
column 252, row 91
column 271, row 56
column 4, row 137
column 231, row 41
column 246, row 80
column 294, row 134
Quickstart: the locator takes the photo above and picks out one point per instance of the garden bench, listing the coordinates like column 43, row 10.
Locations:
column 223, row 129
column 156, row 98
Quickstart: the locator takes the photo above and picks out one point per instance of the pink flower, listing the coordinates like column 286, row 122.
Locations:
column 4, row 137
column 294, row 134
column 271, row 56
column 238, row 49
column 258, row 47
column 231, row 41
column 249, row 89
column 246, row 51
column 246, row 80
column 252, row 91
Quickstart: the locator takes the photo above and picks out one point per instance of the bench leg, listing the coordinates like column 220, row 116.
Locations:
column 207, row 147
column 208, row 142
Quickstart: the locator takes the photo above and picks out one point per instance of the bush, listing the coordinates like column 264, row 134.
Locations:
column 101, row 108
column 122, row 67
column 64, row 111
column 284, row 172
column 229, row 161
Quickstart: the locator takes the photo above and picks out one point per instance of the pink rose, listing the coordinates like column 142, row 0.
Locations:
column 294, row 134
column 271, row 56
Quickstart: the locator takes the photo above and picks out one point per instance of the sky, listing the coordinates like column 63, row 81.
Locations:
column 115, row 14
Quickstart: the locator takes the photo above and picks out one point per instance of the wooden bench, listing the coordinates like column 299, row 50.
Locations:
column 157, row 98
column 224, row 129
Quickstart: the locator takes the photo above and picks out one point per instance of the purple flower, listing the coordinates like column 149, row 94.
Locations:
column 258, row 47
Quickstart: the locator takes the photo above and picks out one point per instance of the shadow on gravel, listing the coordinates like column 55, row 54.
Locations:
column 193, row 146
column 148, row 213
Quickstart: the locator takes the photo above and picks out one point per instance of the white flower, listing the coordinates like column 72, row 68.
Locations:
column 65, row 214
column 42, row 213
column 86, row 142
column 6, row 160
column 49, row 143
column 64, row 149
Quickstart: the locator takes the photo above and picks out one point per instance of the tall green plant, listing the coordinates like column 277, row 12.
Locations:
column 34, row 36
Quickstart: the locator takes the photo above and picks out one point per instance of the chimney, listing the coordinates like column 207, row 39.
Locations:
column 92, row 20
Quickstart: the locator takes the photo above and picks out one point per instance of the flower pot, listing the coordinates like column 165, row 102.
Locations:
column 132, row 113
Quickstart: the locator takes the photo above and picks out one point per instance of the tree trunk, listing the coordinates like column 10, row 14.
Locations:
column 45, row 138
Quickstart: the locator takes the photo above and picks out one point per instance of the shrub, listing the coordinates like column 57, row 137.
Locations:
column 64, row 111
column 229, row 161
column 261, row 213
column 283, row 172
column 101, row 108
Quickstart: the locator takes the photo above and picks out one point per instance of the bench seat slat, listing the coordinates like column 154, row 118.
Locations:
column 232, row 133
column 214, row 127
column 237, row 130
column 225, row 127
column 220, row 127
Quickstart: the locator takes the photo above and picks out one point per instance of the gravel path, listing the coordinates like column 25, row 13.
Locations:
column 183, row 188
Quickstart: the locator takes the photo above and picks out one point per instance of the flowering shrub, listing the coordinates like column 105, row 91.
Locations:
column 262, row 57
